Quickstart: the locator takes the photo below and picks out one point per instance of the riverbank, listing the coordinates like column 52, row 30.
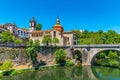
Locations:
column 22, row 69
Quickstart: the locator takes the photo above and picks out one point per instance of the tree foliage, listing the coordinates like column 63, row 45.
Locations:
column 108, row 58
column 112, row 54
column 32, row 49
column 39, row 26
column 78, row 55
column 100, row 37
column 55, row 40
column 47, row 39
column 60, row 55
column 7, row 37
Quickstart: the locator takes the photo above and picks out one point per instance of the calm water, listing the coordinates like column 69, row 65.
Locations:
column 74, row 73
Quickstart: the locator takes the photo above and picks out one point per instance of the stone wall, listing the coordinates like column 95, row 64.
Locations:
column 17, row 55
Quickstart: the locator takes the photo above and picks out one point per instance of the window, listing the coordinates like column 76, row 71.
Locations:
column 32, row 23
column 54, row 34
column 21, row 32
column 24, row 33
column 68, row 39
column 18, row 31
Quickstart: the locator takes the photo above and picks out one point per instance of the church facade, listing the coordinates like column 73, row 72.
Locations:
column 57, row 31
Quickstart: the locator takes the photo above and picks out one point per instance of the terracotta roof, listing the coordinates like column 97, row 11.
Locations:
column 22, row 29
column 58, row 26
column 1, row 26
column 9, row 24
column 39, row 31
column 67, row 32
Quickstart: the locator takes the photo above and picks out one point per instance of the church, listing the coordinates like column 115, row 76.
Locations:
column 57, row 31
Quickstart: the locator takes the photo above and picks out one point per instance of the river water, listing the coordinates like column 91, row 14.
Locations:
column 73, row 73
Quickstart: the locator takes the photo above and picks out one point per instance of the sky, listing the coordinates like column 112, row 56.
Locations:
column 91, row 15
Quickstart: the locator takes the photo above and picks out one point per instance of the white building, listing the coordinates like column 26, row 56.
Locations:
column 17, row 32
column 22, row 33
column 11, row 27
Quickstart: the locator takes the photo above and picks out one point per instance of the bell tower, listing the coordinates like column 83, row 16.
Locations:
column 32, row 24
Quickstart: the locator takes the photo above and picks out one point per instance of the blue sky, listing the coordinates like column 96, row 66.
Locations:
column 92, row 15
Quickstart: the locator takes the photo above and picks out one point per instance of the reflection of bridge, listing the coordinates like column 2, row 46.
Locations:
column 90, row 51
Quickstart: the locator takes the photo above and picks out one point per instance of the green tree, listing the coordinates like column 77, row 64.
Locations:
column 39, row 26
column 77, row 34
column 102, row 55
column 100, row 31
column 32, row 49
column 112, row 54
column 60, row 55
column 18, row 41
column 7, row 37
column 47, row 39
column 78, row 55
column 114, row 62
column 55, row 40
column 86, row 32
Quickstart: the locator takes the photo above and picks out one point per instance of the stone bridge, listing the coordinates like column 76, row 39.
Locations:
column 90, row 51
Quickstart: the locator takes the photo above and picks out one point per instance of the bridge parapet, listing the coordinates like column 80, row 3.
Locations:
column 97, row 46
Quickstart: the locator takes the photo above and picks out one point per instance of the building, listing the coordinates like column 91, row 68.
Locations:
column 2, row 29
column 11, row 27
column 57, row 31
column 17, row 32
column 22, row 33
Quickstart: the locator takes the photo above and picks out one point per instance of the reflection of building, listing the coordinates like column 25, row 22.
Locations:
column 65, row 38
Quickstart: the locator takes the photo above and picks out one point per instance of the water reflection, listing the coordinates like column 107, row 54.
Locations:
column 74, row 73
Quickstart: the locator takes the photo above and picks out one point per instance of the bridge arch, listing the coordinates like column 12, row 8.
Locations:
column 77, row 54
column 100, row 51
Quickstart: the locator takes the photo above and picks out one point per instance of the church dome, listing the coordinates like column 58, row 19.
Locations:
column 57, row 26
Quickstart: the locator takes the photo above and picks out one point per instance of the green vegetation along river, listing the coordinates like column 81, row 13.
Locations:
column 73, row 73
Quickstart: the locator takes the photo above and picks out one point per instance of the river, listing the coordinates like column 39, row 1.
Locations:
column 73, row 73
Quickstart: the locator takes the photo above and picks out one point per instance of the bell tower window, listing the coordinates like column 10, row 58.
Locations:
column 32, row 23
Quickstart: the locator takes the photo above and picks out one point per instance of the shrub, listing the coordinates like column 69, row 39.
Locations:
column 60, row 56
column 69, row 62
column 18, row 41
column 15, row 72
column 7, row 73
column 1, row 63
column 1, row 75
column 6, row 66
